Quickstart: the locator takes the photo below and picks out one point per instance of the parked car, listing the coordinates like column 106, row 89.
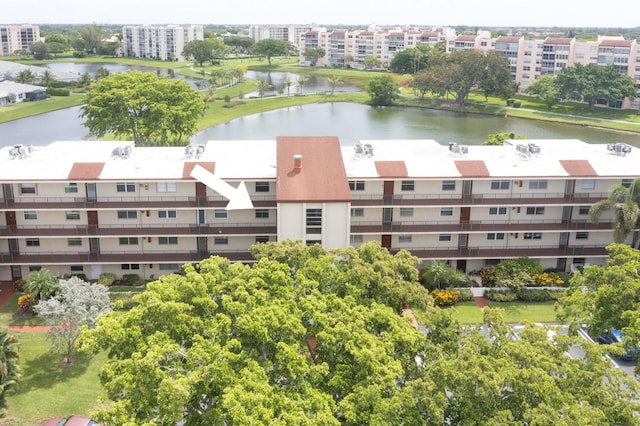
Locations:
column 70, row 421
column 616, row 336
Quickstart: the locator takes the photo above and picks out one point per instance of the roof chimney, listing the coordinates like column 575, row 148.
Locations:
column 297, row 163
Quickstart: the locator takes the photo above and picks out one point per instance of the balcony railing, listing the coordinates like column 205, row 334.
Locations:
column 499, row 198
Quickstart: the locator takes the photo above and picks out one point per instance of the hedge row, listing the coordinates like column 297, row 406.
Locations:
column 524, row 294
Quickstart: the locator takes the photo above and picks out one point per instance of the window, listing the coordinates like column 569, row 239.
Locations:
column 127, row 214
column 167, row 214
column 444, row 237
column 30, row 215
column 72, row 215
column 220, row 213
column 70, row 188
column 627, row 183
column 497, row 210
column 33, row 242
column 404, row 238
column 532, row 235
column 167, row 240
column 221, row 240
column 130, row 266
column 495, row 236
column 76, row 268
column 356, row 239
column 314, row 221
column 406, row 211
column 448, row 185
column 446, row 211
column 583, row 210
column 535, row 210
column 128, row 241
column 357, row 212
column 407, row 185
column 262, row 239
column 34, row 268
column 262, row 186
column 500, row 184
column 168, row 266
column 262, row 213
column 312, row 242
column 538, row 184
column 166, row 187
column 582, row 235
column 27, row 188
column 588, row 184
column 125, row 187
column 491, row 262
column 356, row 185
column 74, row 242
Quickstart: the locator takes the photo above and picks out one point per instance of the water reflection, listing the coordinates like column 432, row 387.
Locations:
column 312, row 83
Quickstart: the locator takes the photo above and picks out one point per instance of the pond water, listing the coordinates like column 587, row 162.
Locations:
column 312, row 83
column 348, row 121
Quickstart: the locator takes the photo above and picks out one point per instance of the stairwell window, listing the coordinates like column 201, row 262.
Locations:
column 314, row 221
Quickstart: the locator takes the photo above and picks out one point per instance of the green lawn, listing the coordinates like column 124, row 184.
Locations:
column 28, row 109
column 9, row 314
column 520, row 312
column 48, row 387
column 466, row 312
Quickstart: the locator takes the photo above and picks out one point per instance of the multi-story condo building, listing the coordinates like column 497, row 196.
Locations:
column 290, row 33
column 158, row 42
column 528, row 58
column 93, row 207
column 18, row 37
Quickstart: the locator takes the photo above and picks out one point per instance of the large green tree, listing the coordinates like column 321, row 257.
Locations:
column 239, row 44
column 414, row 60
column 150, row 109
column 314, row 54
column 546, row 89
column 270, row 48
column 383, row 90
column 625, row 202
column 200, row 51
column 40, row 50
column 92, row 36
column 592, row 82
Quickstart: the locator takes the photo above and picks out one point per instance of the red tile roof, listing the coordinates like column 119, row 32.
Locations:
column 578, row 168
column 321, row 178
column 85, row 171
column 562, row 41
column 189, row 166
column 466, row 38
column 616, row 43
column 472, row 168
column 429, row 34
column 391, row 169
column 507, row 39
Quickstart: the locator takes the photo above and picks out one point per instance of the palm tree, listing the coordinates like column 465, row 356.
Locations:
column 288, row 82
column 47, row 78
column 334, row 81
column 9, row 368
column 43, row 283
column 262, row 87
column 436, row 275
column 301, row 81
column 627, row 212
column 25, row 76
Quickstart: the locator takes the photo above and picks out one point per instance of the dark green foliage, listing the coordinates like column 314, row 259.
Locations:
column 53, row 91
column 501, row 295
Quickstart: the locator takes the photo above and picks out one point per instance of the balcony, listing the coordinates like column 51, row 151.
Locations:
column 505, row 252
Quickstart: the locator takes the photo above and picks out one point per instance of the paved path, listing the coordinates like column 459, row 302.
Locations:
column 6, row 291
column 481, row 302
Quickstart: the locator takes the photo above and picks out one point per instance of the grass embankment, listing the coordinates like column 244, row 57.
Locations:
column 513, row 312
column 9, row 314
column 28, row 109
column 49, row 388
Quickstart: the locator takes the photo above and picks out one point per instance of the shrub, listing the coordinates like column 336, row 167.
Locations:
column 26, row 302
column 548, row 279
column 565, row 277
column 18, row 285
column 122, row 300
column 83, row 277
column 52, row 91
column 517, row 104
column 501, row 295
column 488, row 276
column 445, row 297
column 106, row 278
column 79, row 54
column 130, row 279
column 466, row 295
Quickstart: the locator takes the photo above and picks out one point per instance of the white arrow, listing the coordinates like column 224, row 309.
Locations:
column 238, row 197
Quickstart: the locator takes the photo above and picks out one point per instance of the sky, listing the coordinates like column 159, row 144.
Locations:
column 537, row 13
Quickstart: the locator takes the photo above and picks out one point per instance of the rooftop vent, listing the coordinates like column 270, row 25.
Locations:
column 20, row 152
column 368, row 150
column 361, row 149
column 121, row 152
column 189, row 151
column 458, row 149
column 619, row 149
column 297, row 163
column 199, row 150
column 528, row 150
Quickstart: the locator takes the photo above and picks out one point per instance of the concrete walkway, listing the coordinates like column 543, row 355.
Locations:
column 481, row 302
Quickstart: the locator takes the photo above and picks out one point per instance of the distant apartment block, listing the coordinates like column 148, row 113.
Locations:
column 89, row 207
column 158, row 42
column 528, row 58
column 18, row 37
column 290, row 33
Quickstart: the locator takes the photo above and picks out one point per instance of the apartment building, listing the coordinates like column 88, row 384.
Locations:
column 164, row 42
column 290, row 33
column 93, row 207
column 528, row 58
column 18, row 37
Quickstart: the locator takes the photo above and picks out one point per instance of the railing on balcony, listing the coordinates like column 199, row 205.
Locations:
column 436, row 226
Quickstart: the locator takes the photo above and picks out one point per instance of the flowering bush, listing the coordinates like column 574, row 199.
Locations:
column 18, row 285
column 548, row 279
column 488, row 276
column 445, row 297
column 26, row 302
